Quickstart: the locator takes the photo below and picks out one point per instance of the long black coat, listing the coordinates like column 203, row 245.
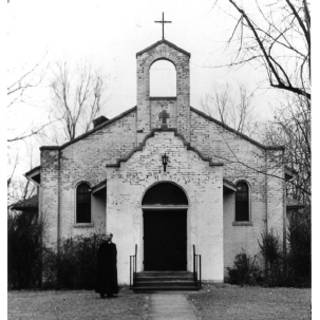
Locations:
column 107, row 279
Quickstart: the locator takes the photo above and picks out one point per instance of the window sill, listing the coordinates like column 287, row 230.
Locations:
column 83, row 225
column 162, row 98
column 242, row 223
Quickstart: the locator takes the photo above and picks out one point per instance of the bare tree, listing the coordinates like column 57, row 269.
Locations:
column 30, row 133
column 76, row 96
column 292, row 128
column 20, row 189
column 27, row 80
column 14, row 167
column 17, row 94
column 235, row 113
column 277, row 35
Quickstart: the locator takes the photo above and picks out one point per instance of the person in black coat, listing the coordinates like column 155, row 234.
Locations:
column 107, row 279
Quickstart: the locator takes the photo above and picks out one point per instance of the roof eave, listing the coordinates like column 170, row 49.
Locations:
column 84, row 135
column 99, row 187
column 223, row 125
column 229, row 185
column 289, row 173
column 34, row 175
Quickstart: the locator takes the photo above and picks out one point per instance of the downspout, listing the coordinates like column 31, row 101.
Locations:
column 266, row 191
column 40, row 219
column 266, row 205
column 284, row 243
column 59, row 204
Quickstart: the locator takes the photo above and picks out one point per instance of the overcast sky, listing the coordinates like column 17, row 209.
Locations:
column 107, row 34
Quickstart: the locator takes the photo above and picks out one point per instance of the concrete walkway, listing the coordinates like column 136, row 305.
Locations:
column 173, row 306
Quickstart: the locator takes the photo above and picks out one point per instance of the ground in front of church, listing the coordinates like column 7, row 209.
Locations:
column 223, row 302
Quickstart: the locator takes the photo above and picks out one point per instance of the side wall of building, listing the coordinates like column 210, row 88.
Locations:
column 243, row 160
column 49, row 195
column 84, row 160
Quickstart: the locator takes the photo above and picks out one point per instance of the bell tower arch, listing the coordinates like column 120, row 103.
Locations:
column 149, row 107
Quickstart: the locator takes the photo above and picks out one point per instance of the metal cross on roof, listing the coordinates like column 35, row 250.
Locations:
column 162, row 22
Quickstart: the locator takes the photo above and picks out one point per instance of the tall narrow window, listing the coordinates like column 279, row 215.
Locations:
column 163, row 79
column 83, row 214
column 242, row 201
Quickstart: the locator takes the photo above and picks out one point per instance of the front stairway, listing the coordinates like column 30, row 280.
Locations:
column 165, row 280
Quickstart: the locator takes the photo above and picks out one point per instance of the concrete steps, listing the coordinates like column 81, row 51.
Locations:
column 148, row 281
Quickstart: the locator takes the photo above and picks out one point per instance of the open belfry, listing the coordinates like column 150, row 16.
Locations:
column 181, row 192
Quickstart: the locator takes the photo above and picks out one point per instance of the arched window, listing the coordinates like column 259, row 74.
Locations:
column 83, row 199
column 163, row 79
column 242, row 201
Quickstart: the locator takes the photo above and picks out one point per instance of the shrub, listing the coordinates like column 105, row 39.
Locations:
column 24, row 250
column 273, row 258
column 49, row 268
column 32, row 266
column 299, row 256
column 245, row 270
column 76, row 262
column 269, row 247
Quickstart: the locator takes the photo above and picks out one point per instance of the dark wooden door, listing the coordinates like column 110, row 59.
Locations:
column 165, row 240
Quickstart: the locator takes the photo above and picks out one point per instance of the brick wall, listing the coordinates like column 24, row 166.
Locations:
column 210, row 217
column 243, row 160
column 84, row 160
column 180, row 60
column 202, row 184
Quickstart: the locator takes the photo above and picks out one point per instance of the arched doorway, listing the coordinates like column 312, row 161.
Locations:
column 165, row 227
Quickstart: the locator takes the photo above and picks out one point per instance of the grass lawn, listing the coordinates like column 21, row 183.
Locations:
column 75, row 305
column 223, row 302
column 228, row 302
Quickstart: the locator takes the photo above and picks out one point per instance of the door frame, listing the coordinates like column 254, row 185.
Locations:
column 150, row 208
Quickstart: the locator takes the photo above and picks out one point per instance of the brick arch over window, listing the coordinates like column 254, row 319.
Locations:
column 162, row 79
column 165, row 193
column 242, row 201
column 163, row 51
column 83, row 203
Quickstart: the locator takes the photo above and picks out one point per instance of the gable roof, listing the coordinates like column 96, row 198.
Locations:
column 229, row 185
column 34, row 175
column 98, row 127
column 35, row 170
column 289, row 172
column 26, row 204
column 294, row 204
column 164, row 41
column 256, row 143
column 98, row 187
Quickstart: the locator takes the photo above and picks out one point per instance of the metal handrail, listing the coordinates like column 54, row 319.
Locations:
column 133, row 267
column 197, row 267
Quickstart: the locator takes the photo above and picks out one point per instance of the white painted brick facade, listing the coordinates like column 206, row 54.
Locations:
column 210, row 215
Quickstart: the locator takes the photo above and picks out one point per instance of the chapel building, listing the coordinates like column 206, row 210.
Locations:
column 166, row 178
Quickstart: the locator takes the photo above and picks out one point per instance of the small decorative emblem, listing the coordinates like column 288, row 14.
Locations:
column 164, row 115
